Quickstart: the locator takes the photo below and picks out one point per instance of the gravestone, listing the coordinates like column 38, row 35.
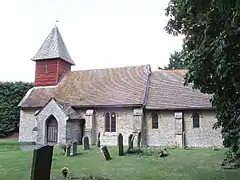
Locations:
column 120, row 144
column 85, row 143
column 41, row 163
column 130, row 142
column 98, row 140
column 68, row 150
column 74, row 148
column 105, row 152
column 139, row 139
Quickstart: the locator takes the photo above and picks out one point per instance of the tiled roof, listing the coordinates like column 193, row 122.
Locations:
column 69, row 111
column 99, row 87
column 53, row 47
column 166, row 91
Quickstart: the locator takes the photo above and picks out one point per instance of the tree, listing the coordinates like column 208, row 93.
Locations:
column 211, row 49
column 175, row 61
column 11, row 93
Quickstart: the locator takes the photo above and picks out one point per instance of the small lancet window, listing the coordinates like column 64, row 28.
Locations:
column 107, row 122
column 154, row 120
column 195, row 117
column 110, row 122
column 46, row 69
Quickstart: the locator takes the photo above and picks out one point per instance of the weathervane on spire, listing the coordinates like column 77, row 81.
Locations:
column 56, row 23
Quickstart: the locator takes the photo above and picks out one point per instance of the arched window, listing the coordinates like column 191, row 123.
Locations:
column 195, row 117
column 113, row 122
column 110, row 122
column 154, row 120
column 107, row 122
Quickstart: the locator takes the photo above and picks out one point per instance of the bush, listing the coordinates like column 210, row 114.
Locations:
column 11, row 93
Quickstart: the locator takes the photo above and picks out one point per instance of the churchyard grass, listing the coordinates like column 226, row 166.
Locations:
column 197, row 164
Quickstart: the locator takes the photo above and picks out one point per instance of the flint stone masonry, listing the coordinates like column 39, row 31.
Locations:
column 52, row 108
column 167, row 134
column 124, row 125
column 204, row 136
column 178, row 128
column 73, row 130
column 90, row 131
column 27, row 124
column 137, row 123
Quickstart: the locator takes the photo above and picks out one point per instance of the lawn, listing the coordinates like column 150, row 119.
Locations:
column 194, row 164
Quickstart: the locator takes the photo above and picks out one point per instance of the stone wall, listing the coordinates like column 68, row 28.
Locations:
column 124, row 125
column 73, row 130
column 204, row 136
column 53, row 109
column 27, row 123
column 166, row 135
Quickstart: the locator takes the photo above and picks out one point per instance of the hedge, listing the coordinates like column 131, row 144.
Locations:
column 11, row 93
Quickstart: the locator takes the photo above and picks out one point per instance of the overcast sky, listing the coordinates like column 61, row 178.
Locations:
column 97, row 33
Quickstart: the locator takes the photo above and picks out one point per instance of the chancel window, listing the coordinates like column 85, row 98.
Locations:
column 154, row 120
column 110, row 122
column 195, row 117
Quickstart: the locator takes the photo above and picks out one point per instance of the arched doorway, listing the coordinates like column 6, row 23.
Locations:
column 52, row 130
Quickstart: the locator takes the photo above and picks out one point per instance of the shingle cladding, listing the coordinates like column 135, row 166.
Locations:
column 166, row 91
column 99, row 87
column 53, row 47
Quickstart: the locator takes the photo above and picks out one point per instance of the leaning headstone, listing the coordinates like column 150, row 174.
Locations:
column 105, row 152
column 42, row 162
column 120, row 144
column 98, row 140
column 139, row 139
column 74, row 148
column 85, row 143
column 68, row 150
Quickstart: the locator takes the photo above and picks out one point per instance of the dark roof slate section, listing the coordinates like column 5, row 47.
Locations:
column 166, row 91
column 124, row 86
column 53, row 47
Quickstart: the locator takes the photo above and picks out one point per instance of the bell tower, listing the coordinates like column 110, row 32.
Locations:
column 52, row 60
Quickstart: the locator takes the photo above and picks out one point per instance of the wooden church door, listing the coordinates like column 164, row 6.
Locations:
column 52, row 130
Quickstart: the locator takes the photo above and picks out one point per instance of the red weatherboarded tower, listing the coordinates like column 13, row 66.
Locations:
column 52, row 60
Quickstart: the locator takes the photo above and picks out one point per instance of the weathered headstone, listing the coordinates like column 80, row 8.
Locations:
column 74, row 148
column 139, row 139
column 105, row 152
column 120, row 144
column 41, row 163
column 98, row 140
column 68, row 150
column 85, row 143
column 130, row 142
column 184, row 140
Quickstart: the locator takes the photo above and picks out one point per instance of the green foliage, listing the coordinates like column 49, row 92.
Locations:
column 211, row 55
column 179, row 165
column 11, row 93
column 175, row 61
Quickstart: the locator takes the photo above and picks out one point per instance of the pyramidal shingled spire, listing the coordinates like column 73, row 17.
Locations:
column 53, row 47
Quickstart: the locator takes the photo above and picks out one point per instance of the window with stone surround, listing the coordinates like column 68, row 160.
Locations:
column 195, row 117
column 110, row 122
column 154, row 120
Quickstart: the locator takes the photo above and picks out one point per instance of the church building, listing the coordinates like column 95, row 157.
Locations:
column 66, row 105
